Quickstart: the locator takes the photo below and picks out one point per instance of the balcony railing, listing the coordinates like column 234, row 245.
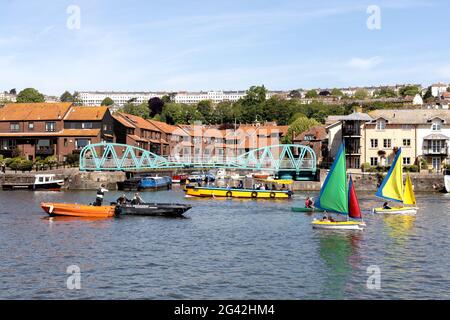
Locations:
column 351, row 132
column 435, row 151
column 352, row 150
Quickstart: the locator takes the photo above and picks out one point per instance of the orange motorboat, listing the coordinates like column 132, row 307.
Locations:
column 78, row 210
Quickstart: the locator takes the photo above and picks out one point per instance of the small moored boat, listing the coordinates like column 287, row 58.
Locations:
column 47, row 182
column 78, row 210
column 153, row 209
column 195, row 191
column 155, row 183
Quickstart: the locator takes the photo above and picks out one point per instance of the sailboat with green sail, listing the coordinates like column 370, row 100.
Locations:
column 338, row 196
column 392, row 189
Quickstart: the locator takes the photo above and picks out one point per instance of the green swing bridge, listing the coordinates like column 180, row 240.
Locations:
column 288, row 158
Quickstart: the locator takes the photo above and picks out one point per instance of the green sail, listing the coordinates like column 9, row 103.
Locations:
column 333, row 196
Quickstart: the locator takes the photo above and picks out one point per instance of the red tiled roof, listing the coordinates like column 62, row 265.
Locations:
column 86, row 113
column 34, row 111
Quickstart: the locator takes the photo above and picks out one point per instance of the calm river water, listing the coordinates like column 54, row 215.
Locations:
column 225, row 249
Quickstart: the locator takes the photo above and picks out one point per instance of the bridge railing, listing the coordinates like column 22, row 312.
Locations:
column 122, row 157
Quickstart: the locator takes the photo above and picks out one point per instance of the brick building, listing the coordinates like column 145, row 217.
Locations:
column 51, row 129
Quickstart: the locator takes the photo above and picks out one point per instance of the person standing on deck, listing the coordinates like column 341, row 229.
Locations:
column 100, row 194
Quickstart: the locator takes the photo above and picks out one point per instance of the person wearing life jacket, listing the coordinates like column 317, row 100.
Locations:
column 309, row 203
column 137, row 199
column 122, row 200
column 100, row 194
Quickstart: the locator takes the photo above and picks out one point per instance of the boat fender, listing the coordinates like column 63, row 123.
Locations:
column 273, row 195
column 254, row 194
column 229, row 194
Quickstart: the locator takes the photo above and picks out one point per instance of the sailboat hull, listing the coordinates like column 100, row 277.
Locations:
column 397, row 210
column 344, row 225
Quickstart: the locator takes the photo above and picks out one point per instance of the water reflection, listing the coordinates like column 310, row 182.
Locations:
column 399, row 227
column 339, row 250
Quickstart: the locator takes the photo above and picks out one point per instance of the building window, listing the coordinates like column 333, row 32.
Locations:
column 15, row 127
column 81, row 143
column 387, row 143
column 406, row 161
column 406, row 126
column 30, row 126
column 86, row 125
column 436, row 126
column 374, row 143
column 50, row 126
column 381, row 125
column 373, row 161
column 407, row 142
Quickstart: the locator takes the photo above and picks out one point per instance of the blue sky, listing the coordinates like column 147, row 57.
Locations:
column 216, row 44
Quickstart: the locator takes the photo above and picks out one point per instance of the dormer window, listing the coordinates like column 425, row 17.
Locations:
column 381, row 124
column 436, row 126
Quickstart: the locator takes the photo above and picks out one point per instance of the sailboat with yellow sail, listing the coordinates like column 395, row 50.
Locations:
column 392, row 188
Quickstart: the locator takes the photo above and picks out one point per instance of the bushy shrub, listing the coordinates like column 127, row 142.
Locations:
column 365, row 167
column 19, row 163
column 411, row 168
column 72, row 158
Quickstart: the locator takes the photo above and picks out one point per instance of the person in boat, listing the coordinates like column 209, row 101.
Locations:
column 262, row 187
column 386, row 206
column 240, row 185
column 309, row 203
column 137, row 199
column 283, row 187
column 100, row 194
column 274, row 187
column 327, row 217
column 122, row 200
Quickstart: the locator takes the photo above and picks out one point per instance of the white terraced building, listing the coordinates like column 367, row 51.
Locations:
column 214, row 96
column 95, row 98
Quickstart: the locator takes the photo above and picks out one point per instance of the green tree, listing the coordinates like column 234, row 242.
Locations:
column 361, row 94
column 337, row 93
column 428, row 95
column 385, row 93
column 67, row 97
column 30, row 95
column 140, row 110
column 409, row 91
column 223, row 113
column 252, row 104
column 173, row 113
column 311, row 94
column 108, row 102
column 206, row 110
column 295, row 94
column 299, row 126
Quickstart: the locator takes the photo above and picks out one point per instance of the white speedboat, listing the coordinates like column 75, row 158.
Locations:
column 47, row 182
column 447, row 180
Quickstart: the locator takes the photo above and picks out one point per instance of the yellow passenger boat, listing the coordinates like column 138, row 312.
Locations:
column 212, row 192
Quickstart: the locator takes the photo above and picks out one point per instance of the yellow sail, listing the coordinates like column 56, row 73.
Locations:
column 408, row 197
column 392, row 186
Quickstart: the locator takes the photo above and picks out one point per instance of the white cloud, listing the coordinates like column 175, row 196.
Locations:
column 364, row 63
